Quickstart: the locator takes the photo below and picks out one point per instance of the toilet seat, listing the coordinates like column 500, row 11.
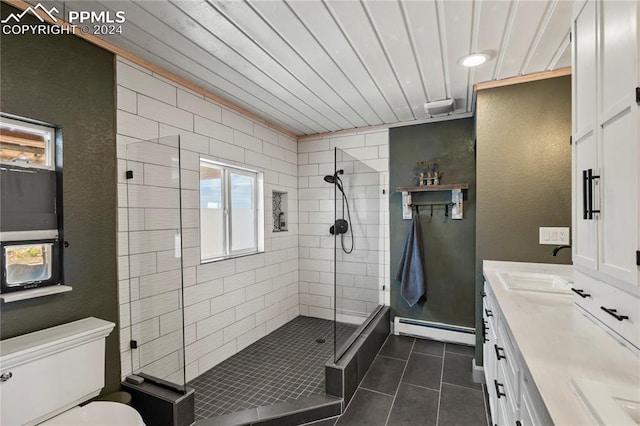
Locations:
column 98, row 413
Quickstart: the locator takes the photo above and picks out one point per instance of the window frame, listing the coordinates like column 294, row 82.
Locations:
column 49, row 132
column 226, row 198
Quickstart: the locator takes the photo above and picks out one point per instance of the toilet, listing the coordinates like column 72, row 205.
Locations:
column 102, row 413
column 45, row 376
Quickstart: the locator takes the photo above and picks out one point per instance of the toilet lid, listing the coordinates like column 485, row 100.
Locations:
column 98, row 413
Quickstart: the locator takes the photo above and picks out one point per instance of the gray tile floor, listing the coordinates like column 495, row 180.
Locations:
column 282, row 366
column 416, row 382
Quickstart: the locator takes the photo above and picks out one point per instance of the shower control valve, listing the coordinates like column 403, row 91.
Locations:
column 340, row 227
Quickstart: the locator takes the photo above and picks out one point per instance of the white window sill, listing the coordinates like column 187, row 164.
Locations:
column 233, row 256
column 33, row 293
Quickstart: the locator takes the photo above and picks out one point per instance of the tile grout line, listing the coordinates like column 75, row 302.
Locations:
column 392, row 357
column 444, row 355
column 421, row 387
column 413, row 344
column 375, row 391
column 431, row 355
column 460, row 386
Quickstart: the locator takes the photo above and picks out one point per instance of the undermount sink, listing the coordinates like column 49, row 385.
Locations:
column 535, row 281
column 609, row 404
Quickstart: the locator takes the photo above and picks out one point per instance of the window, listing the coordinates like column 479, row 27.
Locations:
column 230, row 209
column 26, row 144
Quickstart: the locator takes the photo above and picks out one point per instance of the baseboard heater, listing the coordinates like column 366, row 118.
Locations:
column 435, row 331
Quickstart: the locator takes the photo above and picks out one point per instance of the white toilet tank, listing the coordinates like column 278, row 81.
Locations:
column 50, row 371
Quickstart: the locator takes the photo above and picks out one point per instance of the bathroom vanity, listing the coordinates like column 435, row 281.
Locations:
column 546, row 361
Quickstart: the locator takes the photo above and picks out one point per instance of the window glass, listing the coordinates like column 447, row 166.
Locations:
column 230, row 205
column 27, row 263
column 26, row 144
column 243, row 214
column 212, row 211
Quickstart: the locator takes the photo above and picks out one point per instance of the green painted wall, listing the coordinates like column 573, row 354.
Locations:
column 449, row 244
column 68, row 82
column 524, row 173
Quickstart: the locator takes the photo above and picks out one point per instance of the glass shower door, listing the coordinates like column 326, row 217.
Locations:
column 155, row 258
column 358, row 265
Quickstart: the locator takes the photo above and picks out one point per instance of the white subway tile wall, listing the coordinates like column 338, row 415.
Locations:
column 228, row 304
column 361, row 275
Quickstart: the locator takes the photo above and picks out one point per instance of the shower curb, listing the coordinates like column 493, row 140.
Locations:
column 290, row 413
column 344, row 376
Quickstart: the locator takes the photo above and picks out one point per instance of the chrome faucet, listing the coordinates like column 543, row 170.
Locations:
column 557, row 249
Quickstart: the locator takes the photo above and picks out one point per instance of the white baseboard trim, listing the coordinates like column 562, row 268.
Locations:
column 478, row 372
column 434, row 331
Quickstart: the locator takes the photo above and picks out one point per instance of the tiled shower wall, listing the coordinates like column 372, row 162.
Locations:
column 363, row 273
column 228, row 304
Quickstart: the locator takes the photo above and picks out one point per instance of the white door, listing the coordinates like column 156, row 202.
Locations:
column 619, row 156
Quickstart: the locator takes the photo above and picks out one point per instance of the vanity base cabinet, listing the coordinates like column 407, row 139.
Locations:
column 513, row 397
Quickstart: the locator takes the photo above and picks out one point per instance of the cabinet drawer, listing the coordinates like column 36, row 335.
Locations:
column 601, row 295
column 508, row 360
column 489, row 308
column 507, row 399
column 625, row 305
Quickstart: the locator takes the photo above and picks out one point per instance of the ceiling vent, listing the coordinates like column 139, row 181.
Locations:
column 445, row 106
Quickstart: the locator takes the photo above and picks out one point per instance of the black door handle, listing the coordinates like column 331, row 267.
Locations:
column 580, row 293
column 489, row 312
column 498, row 393
column 614, row 313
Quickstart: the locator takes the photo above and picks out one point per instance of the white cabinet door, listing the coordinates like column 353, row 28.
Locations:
column 585, row 150
column 619, row 155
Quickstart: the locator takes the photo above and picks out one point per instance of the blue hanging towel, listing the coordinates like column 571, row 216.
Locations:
column 411, row 268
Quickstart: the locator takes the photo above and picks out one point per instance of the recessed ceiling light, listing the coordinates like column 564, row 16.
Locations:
column 474, row 60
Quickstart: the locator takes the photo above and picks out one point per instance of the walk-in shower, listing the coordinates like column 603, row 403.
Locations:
column 231, row 329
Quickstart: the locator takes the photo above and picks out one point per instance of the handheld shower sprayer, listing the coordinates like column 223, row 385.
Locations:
column 335, row 179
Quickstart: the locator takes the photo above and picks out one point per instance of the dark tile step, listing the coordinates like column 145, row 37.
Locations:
column 290, row 413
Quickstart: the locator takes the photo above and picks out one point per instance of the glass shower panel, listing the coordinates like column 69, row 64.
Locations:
column 358, row 265
column 155, row 255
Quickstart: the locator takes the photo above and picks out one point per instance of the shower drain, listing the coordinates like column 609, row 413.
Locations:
column 320, row 340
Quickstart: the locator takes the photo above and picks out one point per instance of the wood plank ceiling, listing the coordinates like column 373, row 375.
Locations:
column 319, row 66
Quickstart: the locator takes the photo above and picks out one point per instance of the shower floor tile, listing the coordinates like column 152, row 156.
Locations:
column 284, row 365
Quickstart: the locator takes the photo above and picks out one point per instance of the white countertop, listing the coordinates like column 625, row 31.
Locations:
column 559, row 343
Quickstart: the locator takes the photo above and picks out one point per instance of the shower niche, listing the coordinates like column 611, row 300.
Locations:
column 280, row 207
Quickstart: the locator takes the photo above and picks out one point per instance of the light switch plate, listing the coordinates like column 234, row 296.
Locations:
column 555, row 236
